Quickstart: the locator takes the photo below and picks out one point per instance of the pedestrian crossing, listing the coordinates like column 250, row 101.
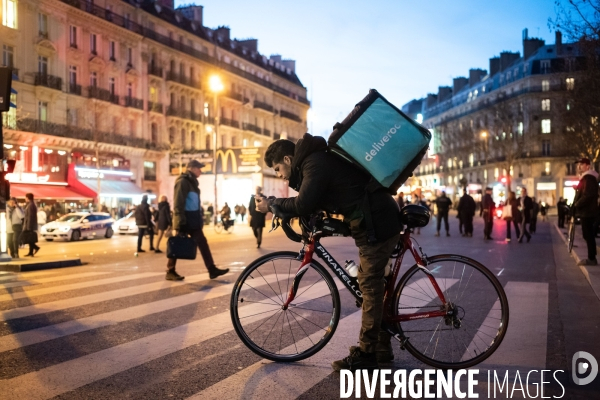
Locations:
column 134, row 339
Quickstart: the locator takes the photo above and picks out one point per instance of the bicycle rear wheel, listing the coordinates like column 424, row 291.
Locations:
column 571, row 235
column 476, row 312
column 265, row 327
column 218, row 226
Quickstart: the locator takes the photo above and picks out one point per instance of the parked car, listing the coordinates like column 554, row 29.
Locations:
column 126, row 225
column 75, row 226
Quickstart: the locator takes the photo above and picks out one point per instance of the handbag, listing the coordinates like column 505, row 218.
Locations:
column 507, row 211
column 29, row 237
column 181, row 247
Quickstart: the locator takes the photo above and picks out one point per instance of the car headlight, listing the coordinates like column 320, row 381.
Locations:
column 65, row 228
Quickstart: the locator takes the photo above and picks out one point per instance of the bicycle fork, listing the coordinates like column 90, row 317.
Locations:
column 307, row 256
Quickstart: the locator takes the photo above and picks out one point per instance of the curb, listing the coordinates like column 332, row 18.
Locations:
column 592, row 275
column 22, row 266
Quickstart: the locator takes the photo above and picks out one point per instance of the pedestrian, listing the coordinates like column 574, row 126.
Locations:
column 326, row 182
column 187, row 219
column 535, row 210
column 211, row 210
column 225, row 214
column 561, row 208
column 466, row 211
column 143, row 220
column 41, row 218
column 543, row 210
column 526, row 206
column 164, row 221
column 243, row 211
column 104, row 209
column 443, row 204
column 586, row 207
column 236, row 210
column 417, row 200
column 257, row 218
column 14, row 227
column 400, row 200
column 30, row 225
column 511, row 214
column 487, row 212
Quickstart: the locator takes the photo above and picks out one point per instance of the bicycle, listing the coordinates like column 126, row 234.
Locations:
column 448, row 311
column 226, row 225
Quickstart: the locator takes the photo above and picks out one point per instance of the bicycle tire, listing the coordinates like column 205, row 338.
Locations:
column 571, row 235
column 219, row 227
column 418, row 346
column 329, row 322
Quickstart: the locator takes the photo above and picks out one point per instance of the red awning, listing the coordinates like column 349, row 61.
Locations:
column 52, row 192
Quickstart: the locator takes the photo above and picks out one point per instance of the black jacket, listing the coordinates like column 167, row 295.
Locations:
column 526, row 205
column 258, row 218
column 466, row 206
column 443, row 204
column 164, row 215
column 586, row 198
column 326, row 182
column 143, row 217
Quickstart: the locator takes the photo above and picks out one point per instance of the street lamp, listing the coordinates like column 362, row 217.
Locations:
column 484, row 136
column 216, row 86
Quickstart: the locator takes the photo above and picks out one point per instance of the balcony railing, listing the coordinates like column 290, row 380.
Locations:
column 75, row 89
column 230, row 122
column 235, row 96
column 177, row 112
column 276, row 136
column 102, row 94
column 266, row 132
column 74, row 132
column 196, row 116
column 263, row 106
column 154, row 70
column 290, row 116
column 155, row 107
column 253, row 128
column 175, row 77
column 133, row 102
column 53, row 82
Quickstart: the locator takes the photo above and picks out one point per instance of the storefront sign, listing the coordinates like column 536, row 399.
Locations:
column 546, row 186
column 571, row 183
column 89, row 173
column 31, row 177
column 240, row 161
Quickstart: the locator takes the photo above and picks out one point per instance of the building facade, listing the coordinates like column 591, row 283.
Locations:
column 123, row 86
column 502, row 128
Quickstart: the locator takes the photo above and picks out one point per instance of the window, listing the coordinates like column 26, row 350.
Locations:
column 150, row 170
column 42, row 111
column 112, row 54
column 111, row 86
column 520, row 128
column 172, row 135
column 93, row 48
column 130, row 90
column 183, row 139
column 9, row 13
column 42, row 65
column 546, row 128
column 547, row 168
column 223, row 141
column 496, row 173
column 153, row 94
column 545, row 147
column 131, row 127
column 8, row 56
column 545, row 66
column 545, row 85
column 193, row 139
column 154, row 132
column 72, row 117
column 546, row 105
column 72, row 76
column 73, row 36
column 129, row 57
column 93, row 79
column 206, row 109
column 207, row 142
column 9, row 118
column 570, row 83
column 233, row 141
column 43, row 25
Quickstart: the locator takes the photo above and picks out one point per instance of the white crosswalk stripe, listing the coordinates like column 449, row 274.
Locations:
column 40, row 281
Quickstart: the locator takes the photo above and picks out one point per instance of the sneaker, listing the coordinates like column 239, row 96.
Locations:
column 507, row 240
column 141, row 251
column 447, row 233
column 356, row 360
column 437, row 234
column 215, row 272
column 157, row 251
column 587, row 262
column 173, row 276
column 383, row 353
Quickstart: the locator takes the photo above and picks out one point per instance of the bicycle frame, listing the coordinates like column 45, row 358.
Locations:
column 314, row 246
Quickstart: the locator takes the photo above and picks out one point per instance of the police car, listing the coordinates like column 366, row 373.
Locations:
column 75, row 226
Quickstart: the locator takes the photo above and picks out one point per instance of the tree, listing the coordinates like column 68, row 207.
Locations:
column 579, row 20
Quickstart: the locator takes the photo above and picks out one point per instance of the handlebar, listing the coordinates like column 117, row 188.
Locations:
column 283, row 219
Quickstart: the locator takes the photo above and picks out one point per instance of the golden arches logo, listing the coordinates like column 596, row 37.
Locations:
column 224, row 155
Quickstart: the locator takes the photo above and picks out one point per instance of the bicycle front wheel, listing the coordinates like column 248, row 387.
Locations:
column 476, row 312
column 218, row 227
column 296, row 332
column 571, row 235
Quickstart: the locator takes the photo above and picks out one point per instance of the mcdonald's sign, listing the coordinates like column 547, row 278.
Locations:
column 223, row 157
column 240, row 160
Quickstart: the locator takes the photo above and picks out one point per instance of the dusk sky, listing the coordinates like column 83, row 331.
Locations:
column 403, row 48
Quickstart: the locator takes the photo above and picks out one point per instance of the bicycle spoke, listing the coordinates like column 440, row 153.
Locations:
column 310, row 322
column 310, row 309
column 301, row 327
column 271, row 287
column 293, row 338
column 264, row 312
column 264, row 322
column 274, row 302
column 271, row 329
column 277, row 277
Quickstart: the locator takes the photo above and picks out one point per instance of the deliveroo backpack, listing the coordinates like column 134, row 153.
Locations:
column 381, row 140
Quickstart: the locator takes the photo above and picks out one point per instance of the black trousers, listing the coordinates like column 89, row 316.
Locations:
column 561, row 220
column 468, row 224
column 141, row 233
column 587, row 227
column 524, row 231
column 202, row 243
column 443, row 216
column 533, row 225
column 258, row 234
column 517, row 230
column 13, row 240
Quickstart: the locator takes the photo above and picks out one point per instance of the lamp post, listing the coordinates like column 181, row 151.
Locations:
column 484, row 136
column 216, row 86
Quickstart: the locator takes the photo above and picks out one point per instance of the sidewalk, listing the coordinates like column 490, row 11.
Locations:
column 591, row 273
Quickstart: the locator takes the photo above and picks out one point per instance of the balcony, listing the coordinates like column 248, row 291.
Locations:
column 236, row 96
column 102, row 94
column 290, row 116
column 179, row 113
column 172, row 76
column 154, row 70
column 253, row 128
column 74, row 89
column 196, row 116
column 155, row 107
column 230, row 122
column 263, row 106
column 50, row 81
column 134, row 103
column 276, row 136
column 266, row 132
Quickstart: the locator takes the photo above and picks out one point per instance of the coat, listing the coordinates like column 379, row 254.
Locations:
column 143, row 216
column 164, row 216
column 185, row 184
column 30, row 223
column 466, row 207
column 257, row 219
column 326, row 182
column 14, row 217
column 514, row 210
column 586, row 197
column 526, row 205
column 443, row 204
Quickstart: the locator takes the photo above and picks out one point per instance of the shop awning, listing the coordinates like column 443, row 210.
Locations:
column 108, row 188
column 53, row 192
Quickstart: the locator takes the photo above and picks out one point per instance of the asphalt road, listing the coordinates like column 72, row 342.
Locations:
column 114, row 328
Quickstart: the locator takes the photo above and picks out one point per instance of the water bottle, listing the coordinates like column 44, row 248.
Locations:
column 351, row 268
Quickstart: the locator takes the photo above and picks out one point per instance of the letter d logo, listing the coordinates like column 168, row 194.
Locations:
column 582, row 367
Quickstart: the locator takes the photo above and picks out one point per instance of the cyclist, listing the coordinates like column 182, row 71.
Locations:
column 586, row 207
column 226, row 216
column 325, row 182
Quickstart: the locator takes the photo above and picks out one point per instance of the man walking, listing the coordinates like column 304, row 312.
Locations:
column 257, row 219
column 30, row 225
column 487, row 212
column 586, row 207
column 443, row 204
column 14, row 226
column 466, row 211
column 143, row 220
column 561, row 208
column 526, row 205
column 187, row 219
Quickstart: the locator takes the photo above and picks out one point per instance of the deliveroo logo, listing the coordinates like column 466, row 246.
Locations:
column 378, row 145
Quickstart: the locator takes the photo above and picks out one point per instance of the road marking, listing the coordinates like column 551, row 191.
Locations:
column 501, row 271
column 53, row 279
column 82, row 285
column 94, row 298
column 70, row 375
column 14, row 341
